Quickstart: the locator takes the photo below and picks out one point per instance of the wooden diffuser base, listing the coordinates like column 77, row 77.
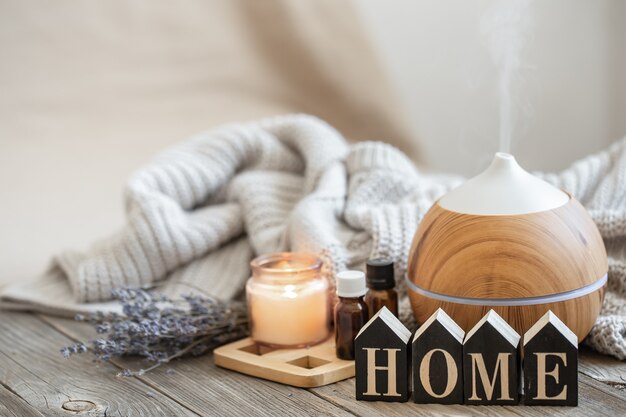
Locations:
column 307, row 368
column 578, row 314
column 520, row 265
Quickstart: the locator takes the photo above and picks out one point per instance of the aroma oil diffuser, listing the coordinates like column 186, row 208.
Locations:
column 506, row 240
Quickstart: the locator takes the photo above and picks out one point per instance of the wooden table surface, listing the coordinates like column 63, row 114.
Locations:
column 37, row 380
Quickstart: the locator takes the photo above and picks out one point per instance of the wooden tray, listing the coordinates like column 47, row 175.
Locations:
column 308, row 367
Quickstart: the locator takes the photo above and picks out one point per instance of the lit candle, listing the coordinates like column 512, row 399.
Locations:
column 288, row 300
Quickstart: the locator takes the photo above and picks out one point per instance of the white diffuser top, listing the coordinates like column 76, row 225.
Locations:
column 503, row 188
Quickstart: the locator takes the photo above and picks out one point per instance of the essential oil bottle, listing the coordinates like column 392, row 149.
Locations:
column 350, row 311
column 380, row 284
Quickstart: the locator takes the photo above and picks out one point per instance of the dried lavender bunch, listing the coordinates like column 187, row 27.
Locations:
column 160, row 329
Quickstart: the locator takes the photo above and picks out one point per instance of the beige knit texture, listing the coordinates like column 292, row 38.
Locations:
column 202, row 209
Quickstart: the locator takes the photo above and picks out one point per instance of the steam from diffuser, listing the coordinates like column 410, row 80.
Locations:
column 505, row 25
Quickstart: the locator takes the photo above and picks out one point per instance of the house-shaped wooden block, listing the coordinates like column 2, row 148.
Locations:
column 550, row 363
column 381, row 351
column 491, row 362
column 437, row 351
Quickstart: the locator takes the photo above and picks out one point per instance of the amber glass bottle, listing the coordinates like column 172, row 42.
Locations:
column 350, row 311
column 380, row 284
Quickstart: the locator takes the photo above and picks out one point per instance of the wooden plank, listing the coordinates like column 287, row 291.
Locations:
column 12, row 405
column 202, row 387
column 33, row 368
column 595, row 398
column 601, row 367
column 209, row 390
column 600, row 395
column 343, row 395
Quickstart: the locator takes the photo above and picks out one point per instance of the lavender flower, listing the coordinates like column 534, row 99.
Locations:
column 160, row 329
column 75, row 348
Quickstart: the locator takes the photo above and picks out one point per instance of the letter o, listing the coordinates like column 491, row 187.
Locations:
column 452, row 373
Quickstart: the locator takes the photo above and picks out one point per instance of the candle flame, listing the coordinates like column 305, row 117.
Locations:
column 290, row 291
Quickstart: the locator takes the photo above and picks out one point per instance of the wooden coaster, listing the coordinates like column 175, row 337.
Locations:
column 307, row 368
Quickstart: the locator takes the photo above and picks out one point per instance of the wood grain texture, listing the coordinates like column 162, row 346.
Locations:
column 342, row 395
column 212, row 391
column 11, row 405
column 601, row 367
column 516, row 256
column 578, row 314
column 307, row 367
column 507, row 256
column 34, row 369
column 595, row 400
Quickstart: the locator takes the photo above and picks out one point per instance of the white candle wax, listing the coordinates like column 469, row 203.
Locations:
column 288, row 300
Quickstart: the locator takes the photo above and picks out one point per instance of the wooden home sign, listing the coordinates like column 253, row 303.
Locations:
column 550, row 363
column 480, row 367
column 491, row 362
column 437, row 350
column 381, row 355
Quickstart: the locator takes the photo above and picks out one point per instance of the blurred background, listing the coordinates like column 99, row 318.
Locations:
column 572, row 80
column 90, row 90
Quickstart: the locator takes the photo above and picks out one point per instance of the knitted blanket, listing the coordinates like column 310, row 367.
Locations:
column 204, row 208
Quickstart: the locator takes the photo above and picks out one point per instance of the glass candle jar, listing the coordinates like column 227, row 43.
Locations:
column 288, row 300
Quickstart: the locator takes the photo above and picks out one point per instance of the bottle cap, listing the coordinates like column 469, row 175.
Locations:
column 351, row 284
column 380, row 274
